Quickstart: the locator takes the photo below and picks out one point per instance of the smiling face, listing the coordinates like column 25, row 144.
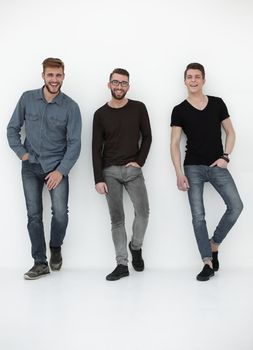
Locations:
column 119, row 86
column 53, row 78
column 194, row 81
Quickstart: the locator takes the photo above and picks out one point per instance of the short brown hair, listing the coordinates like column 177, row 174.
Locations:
column 195, row 66
column 52, row 62
column 119, row 71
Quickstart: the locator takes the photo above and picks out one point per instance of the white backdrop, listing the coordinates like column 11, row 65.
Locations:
column 154, row 40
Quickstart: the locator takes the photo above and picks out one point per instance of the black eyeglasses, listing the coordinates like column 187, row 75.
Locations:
column 117, row 83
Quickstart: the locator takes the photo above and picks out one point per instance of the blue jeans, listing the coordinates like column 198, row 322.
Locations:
column 224, row 184
column 33, row 179
column 117, row 177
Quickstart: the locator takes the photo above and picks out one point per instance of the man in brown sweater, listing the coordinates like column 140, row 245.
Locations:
column 120, row 145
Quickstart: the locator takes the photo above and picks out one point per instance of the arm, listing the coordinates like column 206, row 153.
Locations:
column 14, row 128
column 74, row 126
column 71, row 155
column 97, row 147
column 182, row 182
column 145, row 130
column 229, row 142
column 230, row 135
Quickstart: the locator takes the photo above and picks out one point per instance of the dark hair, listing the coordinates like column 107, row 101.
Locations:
column 52, row 63
column 119, row 71
column 195, row 66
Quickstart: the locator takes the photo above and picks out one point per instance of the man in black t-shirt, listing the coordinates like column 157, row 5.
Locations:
column 118, row 155
column 200, row 117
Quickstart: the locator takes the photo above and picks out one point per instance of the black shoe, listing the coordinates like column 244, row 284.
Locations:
column 206, row 273
column 55, row 259
column 137, row 262
column 119, row 272
column 38, row 270
column 215, row 261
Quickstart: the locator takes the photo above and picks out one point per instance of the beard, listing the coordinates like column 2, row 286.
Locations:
column 53, row 92
column 118, row 97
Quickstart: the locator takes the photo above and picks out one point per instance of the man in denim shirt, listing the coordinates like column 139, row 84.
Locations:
column 52, row 145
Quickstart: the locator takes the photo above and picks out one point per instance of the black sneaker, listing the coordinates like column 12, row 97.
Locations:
column 137, row 262
column 38, row 270
column 215, row 261
column 119, row 272
column 55, row 259
column 206, row 273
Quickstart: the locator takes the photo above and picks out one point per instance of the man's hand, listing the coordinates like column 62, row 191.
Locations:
column 182, row 183
column 134, row 164
column 221, row 163
column 53, row 179
column 101, row 188
column 25, row 157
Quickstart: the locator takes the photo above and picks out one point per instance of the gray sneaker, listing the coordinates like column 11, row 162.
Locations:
column 137, row 262
column 38, row 270
column 55, row 259
column 119, row 272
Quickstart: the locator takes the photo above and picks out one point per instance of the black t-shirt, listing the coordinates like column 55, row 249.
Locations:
column 202, row 129
column 116, row 136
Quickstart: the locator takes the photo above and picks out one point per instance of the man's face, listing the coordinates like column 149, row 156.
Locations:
column 53, row 79
column 119, row 85
column 194, row 81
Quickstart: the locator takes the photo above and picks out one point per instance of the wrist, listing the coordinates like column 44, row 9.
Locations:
column 225, row 157
column 25, row 156
column 179, row 173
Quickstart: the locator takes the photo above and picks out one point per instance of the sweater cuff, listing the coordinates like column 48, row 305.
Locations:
column 140, row 162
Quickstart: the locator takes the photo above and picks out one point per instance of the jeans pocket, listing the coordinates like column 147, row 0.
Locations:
column 219, row 167
column 134, row 168
column 133, row 172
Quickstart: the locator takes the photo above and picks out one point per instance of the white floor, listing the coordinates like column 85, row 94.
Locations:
column 160, row 310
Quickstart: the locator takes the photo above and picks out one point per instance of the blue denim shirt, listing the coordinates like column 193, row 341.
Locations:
column 52, row 130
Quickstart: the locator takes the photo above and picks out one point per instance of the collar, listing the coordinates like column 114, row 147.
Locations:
column 58, row 99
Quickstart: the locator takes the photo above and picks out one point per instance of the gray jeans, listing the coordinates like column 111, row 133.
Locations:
column 132, row 179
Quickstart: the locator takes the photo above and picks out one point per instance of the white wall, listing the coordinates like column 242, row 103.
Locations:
column 154, row 40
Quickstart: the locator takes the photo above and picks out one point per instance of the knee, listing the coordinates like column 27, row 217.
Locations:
column 237, row 209
column 34, row 218
column 117, row 220
column 240, row 208
column 60, row 212
column 142, row 212
column 198, row 218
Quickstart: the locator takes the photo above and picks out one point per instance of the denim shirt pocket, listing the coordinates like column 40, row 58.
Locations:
column 31, row 117
column 57, row 121
column 31, row 122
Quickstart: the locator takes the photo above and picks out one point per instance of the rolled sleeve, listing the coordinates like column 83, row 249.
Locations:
column 14, row 128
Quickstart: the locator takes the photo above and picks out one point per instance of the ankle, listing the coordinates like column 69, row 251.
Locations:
column 214, row 246
column 209, row 263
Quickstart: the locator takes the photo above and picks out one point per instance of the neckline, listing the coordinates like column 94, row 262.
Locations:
column 119, row 108
column 197, row 109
